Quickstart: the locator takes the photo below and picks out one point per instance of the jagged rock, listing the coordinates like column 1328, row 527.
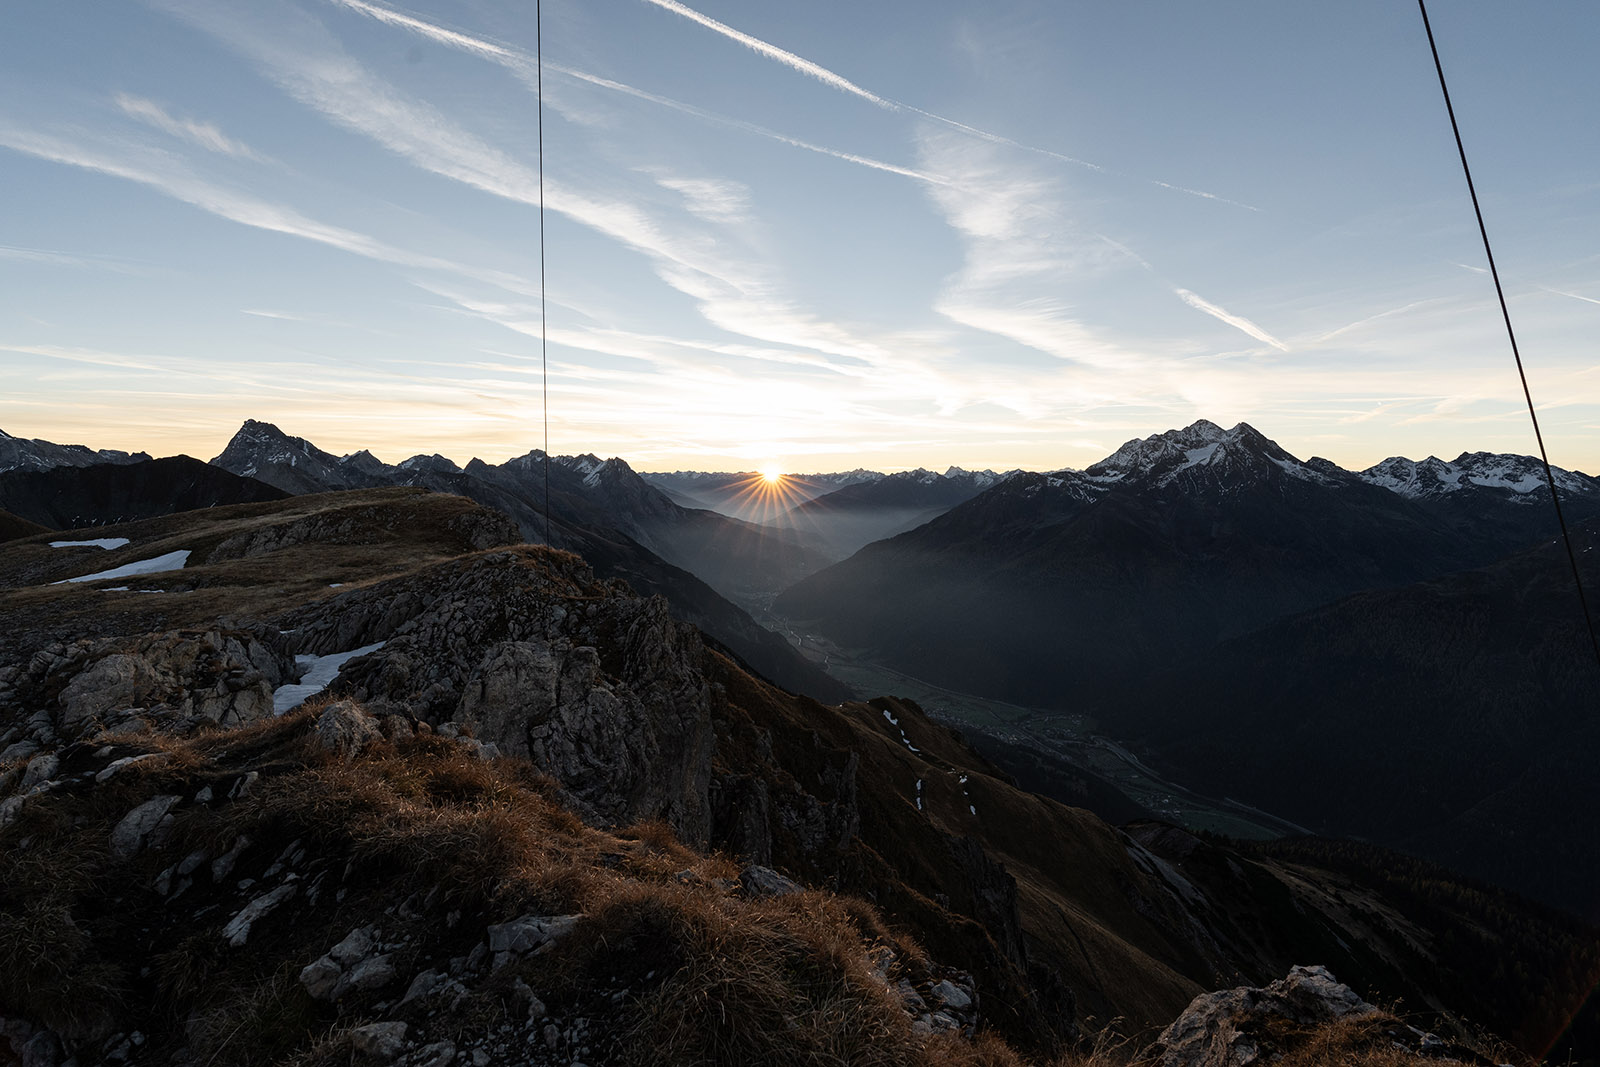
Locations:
column 320, row 977
column 237, row 932
column 223, row 677
column 1227, row 1028
column 366, row 976
column 530, row 933
column 19, row 752
column 355, row 964
column 130, row 834
column 344, row 729
column 504, row 646
column 949, row 995
column 761, row 881
column 40, row 769
column 117, row 766
column 380, row 1041
column 222, row 866
column 437, row 1054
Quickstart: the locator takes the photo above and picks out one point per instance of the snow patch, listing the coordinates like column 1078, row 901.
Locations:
column 317, row 673
column 102, row 542
column 172, row 561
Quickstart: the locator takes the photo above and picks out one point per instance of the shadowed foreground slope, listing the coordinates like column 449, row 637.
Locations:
column 539, row 819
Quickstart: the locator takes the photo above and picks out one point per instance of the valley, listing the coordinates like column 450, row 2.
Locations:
column 1047, row 743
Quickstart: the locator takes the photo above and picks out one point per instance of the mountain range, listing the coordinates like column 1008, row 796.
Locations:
column 1053, row 589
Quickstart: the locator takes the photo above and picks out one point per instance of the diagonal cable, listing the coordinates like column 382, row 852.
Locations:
column 1505, row 313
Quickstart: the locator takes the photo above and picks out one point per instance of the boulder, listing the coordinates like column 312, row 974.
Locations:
column 130, row 834
column 344, row 729
column 1229, row 1028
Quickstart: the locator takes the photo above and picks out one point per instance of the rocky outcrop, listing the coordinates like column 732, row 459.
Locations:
column 1232, row 1027
column 506, row 647
column 180, row 678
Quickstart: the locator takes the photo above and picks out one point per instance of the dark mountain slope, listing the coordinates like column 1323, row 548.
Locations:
column 12, row 527
column 1455, row 718
column 69, row 497
column 1066, row 586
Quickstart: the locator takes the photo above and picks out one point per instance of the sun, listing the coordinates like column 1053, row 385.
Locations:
column 771, row 475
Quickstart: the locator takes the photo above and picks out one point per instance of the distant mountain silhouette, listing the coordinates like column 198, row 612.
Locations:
column 862, row 512
column 69, row 497
column 21, row 454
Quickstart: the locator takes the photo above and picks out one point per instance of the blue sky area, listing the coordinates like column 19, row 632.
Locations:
column 820, row 235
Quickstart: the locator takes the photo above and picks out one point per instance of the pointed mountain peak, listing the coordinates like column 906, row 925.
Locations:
column 1203, row 448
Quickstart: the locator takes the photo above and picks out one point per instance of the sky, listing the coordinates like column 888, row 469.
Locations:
column 818, row 236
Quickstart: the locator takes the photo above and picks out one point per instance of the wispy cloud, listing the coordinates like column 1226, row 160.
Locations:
column 204, row 134
column 1238, row 322
column 735, row 293
column 71, row 259
column 171, row 177
column 1369, row 319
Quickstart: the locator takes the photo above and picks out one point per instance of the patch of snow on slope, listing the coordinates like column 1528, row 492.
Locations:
column 102, row 542
column 318, row 672
column 172, row 561
column 1194, row 457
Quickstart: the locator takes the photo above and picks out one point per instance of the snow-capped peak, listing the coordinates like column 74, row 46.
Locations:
column 1164, row 457
column 1431, row 477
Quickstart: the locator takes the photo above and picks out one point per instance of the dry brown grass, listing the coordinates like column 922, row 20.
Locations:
column 781, row 982
column 713, row 977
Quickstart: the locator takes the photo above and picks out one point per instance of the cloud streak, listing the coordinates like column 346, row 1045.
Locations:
column 1238, row 322
column 168, row 176
column 195, row 132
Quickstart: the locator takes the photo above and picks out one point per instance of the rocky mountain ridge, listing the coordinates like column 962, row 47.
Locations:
column 22, row 454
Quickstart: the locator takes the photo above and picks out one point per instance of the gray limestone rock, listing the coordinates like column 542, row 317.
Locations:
column 130, row 834
column 345, row 729
column 530, row 932
column 237, row 932
column 759, row 881
column 380, row 1041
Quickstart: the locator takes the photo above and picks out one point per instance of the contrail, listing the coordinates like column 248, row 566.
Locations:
column 523, row 64
column 772, row 51
column 1575, row 296
column 1238, row 322
column 840, row 82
